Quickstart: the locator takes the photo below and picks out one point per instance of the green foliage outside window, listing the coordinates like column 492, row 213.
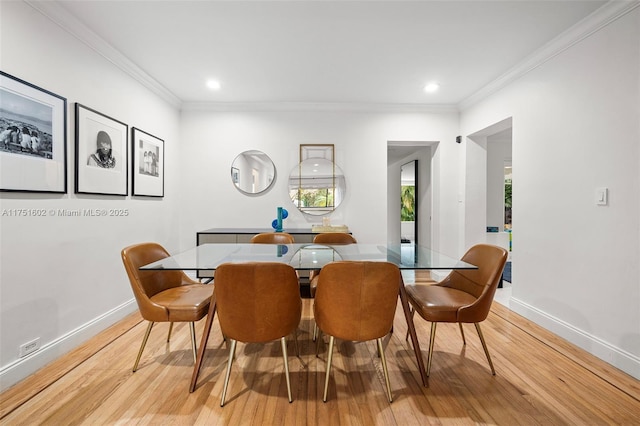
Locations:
column 507, row 193
column 407, row 203
column 507, row 204
column 322, row 197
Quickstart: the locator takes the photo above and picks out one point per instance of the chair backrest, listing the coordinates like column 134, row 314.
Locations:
column 273, row 238
column 257, row 301
column 481, row 282
column 146, row 284
column 334, row 238
column 356, row 300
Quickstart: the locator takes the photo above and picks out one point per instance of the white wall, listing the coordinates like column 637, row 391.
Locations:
column 576, row 127
column 211, row 140
column 61, row 278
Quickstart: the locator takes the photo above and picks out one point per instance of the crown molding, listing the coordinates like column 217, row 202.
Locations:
column 60, row 16
column 597, row 20
column 316, row 106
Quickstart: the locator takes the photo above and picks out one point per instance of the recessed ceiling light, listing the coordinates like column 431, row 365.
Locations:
column 431, row 87
column 213, row 84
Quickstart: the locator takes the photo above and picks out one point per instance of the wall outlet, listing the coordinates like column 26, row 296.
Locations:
column 27, row 348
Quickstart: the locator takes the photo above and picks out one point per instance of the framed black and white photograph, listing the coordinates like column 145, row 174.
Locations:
column 101, row 153
column 33, row 137
column 148, row 164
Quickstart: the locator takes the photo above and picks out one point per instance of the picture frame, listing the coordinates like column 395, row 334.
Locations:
column 147, row 153
column 33, row 137
column 235, row 176
column 101, row 153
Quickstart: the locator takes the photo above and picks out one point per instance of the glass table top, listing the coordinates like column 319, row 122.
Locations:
column 306, row 256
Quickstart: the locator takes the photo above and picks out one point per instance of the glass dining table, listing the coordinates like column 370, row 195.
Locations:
column 307, row 257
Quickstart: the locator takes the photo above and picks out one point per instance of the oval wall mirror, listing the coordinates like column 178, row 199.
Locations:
column 317, row 186
column 253, row 172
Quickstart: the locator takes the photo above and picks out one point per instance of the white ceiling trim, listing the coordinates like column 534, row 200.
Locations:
column 599, row 19
column 317, row 106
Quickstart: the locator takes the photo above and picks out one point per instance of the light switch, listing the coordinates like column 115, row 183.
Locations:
column 602, row 196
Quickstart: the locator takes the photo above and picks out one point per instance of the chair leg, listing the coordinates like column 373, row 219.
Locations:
column 232, row 352
column 326, row 378
column 192, row 327
column 318, row 341
column 315, row 331
column 144, row 342
column 464, row 341
column 283, row 343
column 432, row 339
column 384, row 368
column 170, row 329
column 484, row 346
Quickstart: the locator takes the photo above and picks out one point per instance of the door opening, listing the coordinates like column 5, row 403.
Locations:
column 409, row 193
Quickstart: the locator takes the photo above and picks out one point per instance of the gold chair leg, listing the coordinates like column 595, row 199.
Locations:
column 144, row 342
column 464, row 341
column 384, row 368
column 283, row 343
column 192, row 326
column 232, row 352
column 326, row 378
column 170, row 329
column 484, row 346
column 432, row 339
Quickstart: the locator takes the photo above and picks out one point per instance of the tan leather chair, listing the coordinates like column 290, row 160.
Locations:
column 164, row 296
column 257, row 302
column 357, row 301
column 464, row 296
column 332, row 238
column 273, row 238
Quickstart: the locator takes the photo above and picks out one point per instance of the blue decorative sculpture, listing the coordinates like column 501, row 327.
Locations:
column 277, row 223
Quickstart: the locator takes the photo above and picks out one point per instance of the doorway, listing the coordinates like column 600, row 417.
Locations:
column 409, row 193
column 409, row 162
column 490, row 150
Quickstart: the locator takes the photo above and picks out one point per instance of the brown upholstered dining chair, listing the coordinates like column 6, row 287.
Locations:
column 356, row 301
column 463, row 296
column 273, row 238
column 257, row 302
column 332, row 238
column 164, row 295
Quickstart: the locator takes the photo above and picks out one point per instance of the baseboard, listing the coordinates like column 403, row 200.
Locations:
column 625, row 361
column 18, row 370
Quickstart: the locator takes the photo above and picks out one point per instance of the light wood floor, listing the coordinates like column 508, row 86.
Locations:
column 541, row 380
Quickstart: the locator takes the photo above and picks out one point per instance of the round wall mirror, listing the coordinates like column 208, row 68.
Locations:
column 253, row 172
column 317, row 186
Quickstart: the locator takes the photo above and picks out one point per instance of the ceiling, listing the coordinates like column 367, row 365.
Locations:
column 319, row 52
